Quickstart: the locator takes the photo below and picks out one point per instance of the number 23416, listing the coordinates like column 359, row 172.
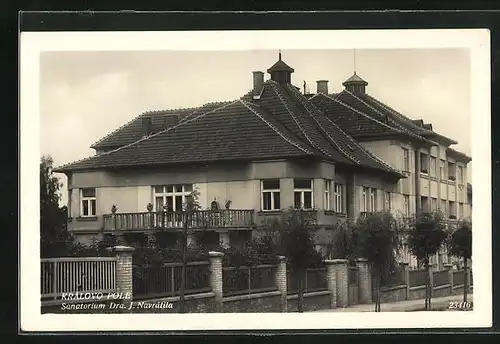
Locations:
column 460, row 305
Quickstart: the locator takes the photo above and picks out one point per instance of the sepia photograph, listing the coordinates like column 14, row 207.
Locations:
column 286, row 179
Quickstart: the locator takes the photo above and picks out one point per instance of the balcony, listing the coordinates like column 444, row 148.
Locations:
column 202, row 219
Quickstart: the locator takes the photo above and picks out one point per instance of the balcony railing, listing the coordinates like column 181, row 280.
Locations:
column 175, row 220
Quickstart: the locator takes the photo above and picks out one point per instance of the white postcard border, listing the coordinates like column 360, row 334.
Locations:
column 33, row 43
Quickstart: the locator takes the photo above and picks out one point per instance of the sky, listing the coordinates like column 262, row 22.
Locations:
column 86, row 95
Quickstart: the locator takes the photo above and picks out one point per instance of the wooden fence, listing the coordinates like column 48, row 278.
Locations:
column 248, row 279
column 152, row 281
column 76, row 274
column 458, row 277
column 315, row 280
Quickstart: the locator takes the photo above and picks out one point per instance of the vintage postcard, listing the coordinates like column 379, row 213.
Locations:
column 252, row 180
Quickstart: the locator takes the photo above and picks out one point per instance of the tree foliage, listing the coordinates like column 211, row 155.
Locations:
column 292, row 232
column 54, row 238
column 460, row 245
column 426, row 236
column 377, row 240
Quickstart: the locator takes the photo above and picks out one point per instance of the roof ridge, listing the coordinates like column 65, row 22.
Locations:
column 394, row 112
column 356, row 143
column 115, row 131
column 150, row 136
column 281, row 98
column 360, row 112
column 351, row 157
column 397, row 124
column 287, row 139
column 194, row 109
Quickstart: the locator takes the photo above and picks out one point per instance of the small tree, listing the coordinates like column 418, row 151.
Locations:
column 190, row 209
column 460, row 245
column 343, row 241
column 377, row 239
column 427, row 233
column 295, row 242
column 54, row 237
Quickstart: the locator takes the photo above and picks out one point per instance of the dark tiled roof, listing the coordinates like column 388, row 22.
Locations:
column 354, row 122
column 160, row 120
column 281, row 124
column 280, row 66
column 234, row 131
column 458, row 155
column 417, row 126
column 354, row 79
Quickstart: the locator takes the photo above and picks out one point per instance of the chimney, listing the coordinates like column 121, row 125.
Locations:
column 322, row 86
column 146, row 125
column 258, row 83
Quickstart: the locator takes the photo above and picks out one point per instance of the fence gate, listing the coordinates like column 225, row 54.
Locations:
column 353, row 285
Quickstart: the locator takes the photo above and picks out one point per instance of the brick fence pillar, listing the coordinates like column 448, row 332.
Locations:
column 216, row 278
column 365, row 280
column 406, row 278
column 331, row 282
column 124, row 273
column 281, row 282
column 341, row 274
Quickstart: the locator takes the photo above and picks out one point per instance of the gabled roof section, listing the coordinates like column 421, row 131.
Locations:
column 459, row 156
column 236, row 131
column 160, row 120
column 356, row 123
column 418, row 126
column 336, row 137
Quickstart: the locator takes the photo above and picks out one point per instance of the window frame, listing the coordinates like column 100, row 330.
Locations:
column 433, row 166
column 165, row 193
column 387, row 200
column 365, row 203
column 327, row 200
column 373, row 200
column 302, row 192
column 406, row 205
column 338, row 192
column 272, row 194
column 89, row 200
column 406, row 159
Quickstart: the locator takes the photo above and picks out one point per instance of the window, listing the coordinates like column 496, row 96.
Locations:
column 270, row 194
column 433, row 167
column 372, row 200
column 424, row 163
column 452, row 212
column 339, row 198
column 327, row 200
column 406, row 205
column 433, row 204
column 442, row 169
column 406, row 159
column 171, row 197
column 424, row 204
column 365, row 199
column 460, row 175
column 303, row 193
column 451, row 171
column 388, row 201
column 88, row 202
column 442, row 206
